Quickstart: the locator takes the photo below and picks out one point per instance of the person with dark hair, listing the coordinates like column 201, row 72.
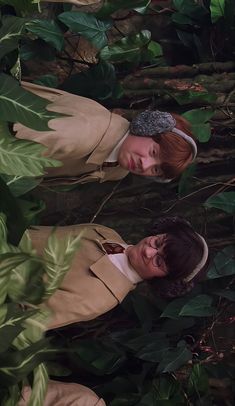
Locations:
column 94, row 144
column 105, row 268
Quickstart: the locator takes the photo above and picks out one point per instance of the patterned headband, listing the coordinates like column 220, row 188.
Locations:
column 202, row 262
column 150, row 123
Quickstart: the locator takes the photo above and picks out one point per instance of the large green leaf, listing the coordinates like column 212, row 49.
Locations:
column 16, row 365
column 10, row 34
column 98, row 82
column 34, row 329
column 19, row 185
column 198, row 380
column 88, row 26
column 199, row 306
column 18, row 105
column 172, row 310
column 174, row 358
column 224, row 201
column 39, row 389
column 58, row 255
column 198, row 119
column 12, row 325
column 21, row 157
column 22, row 5
column 217, row 8
column 48, row 30
column 127, row 49
column 223, row 263
column 11, row 261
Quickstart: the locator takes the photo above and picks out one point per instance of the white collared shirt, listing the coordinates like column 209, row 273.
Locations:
column 113, row 156
column 121, row 262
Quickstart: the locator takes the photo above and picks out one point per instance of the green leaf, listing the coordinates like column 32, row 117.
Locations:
column 98, row 82
column 22, row 5
column 167, row 389
column 47, row 80
column 196, row 116
column 126, row 49
column 88, row 26
column 226, row 293
column 185, row 183
column 58, row 255
column 217, row 9
column 223, row 264
column 199, row 306
column 189, row 96
column 198, row 380
column 174, row 358
column 21, row 157
column 224, row 201
column 36, row 50
column 11, row 261
column 19, row 185
column 18, row 105
column 172, row 310
column 9, row 205
column 12, row 325
column 3, row 227
column 110, row 6
column 40, row 383
column 34, row 329
column 48, row 30
column 153, row 352
column 202, row 132
column 10, row 34
column 182, row 19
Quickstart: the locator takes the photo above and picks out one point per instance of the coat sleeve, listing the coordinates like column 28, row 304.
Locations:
column 64, row 394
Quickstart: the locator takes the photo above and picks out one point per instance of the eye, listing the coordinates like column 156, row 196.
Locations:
column 154, row 152
column 155, row 170
column 158, row 261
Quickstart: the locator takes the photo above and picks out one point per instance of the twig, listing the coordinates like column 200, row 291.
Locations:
column 105, row 201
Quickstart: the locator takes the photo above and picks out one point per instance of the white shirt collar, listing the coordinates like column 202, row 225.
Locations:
column 114, row 154
column 124, row 266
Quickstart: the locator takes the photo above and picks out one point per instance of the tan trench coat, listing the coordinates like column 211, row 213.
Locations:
column 65, row 394
column 93, row 285
column 81, row 141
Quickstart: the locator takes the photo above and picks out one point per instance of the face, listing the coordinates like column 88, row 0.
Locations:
column 141, row 156
column 147, row 257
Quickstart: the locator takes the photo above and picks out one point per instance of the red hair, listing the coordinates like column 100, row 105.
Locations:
column 175, row 152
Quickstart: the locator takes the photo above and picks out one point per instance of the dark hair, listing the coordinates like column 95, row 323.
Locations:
column 182, row 252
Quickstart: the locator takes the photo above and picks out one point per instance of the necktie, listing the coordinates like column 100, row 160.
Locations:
column 112, row 248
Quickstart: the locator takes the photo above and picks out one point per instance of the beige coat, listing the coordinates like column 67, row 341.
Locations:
column 82, row 140
column 65, row 394
column 93, row 285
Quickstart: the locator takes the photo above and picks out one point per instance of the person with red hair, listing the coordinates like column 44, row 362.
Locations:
column 94, row 144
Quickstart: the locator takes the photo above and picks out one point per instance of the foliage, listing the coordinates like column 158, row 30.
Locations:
column 23, row 347
column 139, row 361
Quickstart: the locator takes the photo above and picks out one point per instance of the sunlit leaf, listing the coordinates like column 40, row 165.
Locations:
column 40, row 383
column 224, row 201
column 18, row 105
column 217, row 8
column 58, row 255
column 88, row 26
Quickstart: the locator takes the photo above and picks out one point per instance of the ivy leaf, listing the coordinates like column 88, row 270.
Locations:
column 12, row 325
column 22, row 157
column 223, row 264
column 224, row 201
column 47, row 30
column 88, row 26
column 58, row 255
column 127, row 49
column 19, row 185
column 40, row 383
column 217, row 9
column 10, row 34
column 174, row 358
column 18, row 105
column 199, row 306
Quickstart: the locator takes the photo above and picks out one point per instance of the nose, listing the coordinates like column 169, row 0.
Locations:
column 147, row 163
column 150, row 252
